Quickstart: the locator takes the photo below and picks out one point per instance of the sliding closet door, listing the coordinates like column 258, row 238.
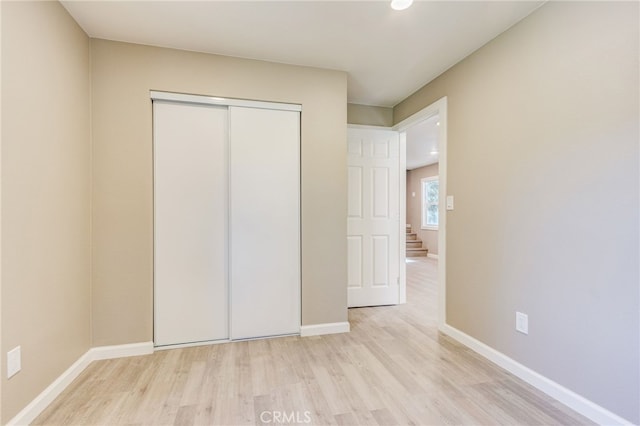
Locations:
column 190, row 198
column 264, row 222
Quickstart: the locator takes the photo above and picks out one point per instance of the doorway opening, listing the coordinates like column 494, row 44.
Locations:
column 423, row 149
column 377, row 231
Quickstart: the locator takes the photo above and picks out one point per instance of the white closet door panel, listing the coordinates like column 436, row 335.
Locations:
column 264, row 222
column 190, row 197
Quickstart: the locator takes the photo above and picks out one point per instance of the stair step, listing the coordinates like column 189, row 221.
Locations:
column 414, row 244
column 412, row 236
column 416, row 252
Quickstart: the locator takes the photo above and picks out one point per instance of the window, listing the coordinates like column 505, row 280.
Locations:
column 430, row 196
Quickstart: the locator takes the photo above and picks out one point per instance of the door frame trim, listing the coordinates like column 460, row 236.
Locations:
column 438, row 107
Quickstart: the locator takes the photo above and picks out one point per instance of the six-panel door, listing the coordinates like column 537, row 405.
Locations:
column 373, row 217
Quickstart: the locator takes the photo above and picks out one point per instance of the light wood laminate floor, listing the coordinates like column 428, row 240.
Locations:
column 393, row 368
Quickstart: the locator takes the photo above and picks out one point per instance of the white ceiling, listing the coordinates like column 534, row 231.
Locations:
column 388, row 54
column 422, row 141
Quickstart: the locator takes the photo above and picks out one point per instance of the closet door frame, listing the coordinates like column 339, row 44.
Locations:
column 232, row 102
column 214, row 100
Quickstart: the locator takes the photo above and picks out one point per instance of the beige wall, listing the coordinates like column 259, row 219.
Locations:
column 369, row 115
column 45, row 196
column 429, row 237
column 543, row 163
column 122, row 76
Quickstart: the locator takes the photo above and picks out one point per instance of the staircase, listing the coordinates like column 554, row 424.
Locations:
column 414, row 245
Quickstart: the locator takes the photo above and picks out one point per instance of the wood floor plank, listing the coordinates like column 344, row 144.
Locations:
column 393, row 368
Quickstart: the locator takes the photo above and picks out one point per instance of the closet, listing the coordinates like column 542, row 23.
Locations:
column 226, row 219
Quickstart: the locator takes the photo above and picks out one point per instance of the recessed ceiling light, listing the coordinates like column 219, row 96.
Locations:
column 401, row 4
column 438, row 123
column 434, row 152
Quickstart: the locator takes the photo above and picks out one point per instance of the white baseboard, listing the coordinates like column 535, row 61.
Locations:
column 327, row 328
column 46, row 397
column 578, row 403
column 120, row 351
column 432, row 256
column 190, row 345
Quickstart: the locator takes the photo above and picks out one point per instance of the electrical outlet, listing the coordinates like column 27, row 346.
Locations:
column 14, row 363
column 522, row 323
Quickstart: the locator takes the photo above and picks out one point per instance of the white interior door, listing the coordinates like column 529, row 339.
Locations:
column 190, row 226
column 373, row 217
column 264, row 222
